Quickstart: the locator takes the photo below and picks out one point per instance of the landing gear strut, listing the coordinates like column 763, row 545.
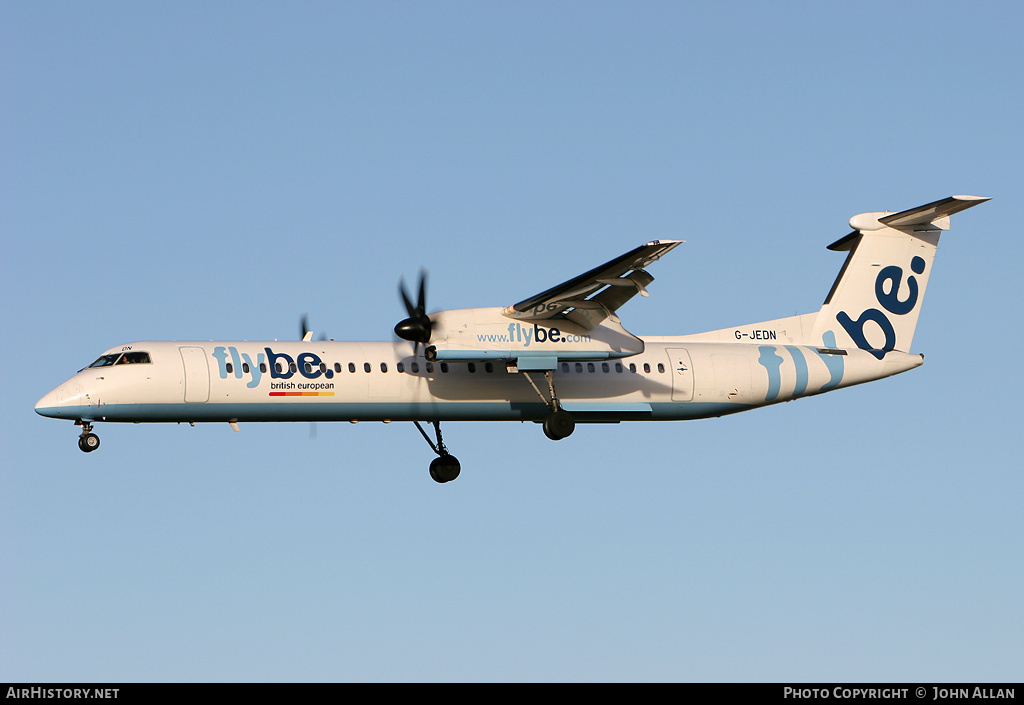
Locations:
column 559, row 423
column 445, row 467
column 88, row 441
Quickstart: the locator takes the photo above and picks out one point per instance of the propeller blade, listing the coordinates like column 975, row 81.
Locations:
column 409, row 308
column 417, row 327
column 421, row 302
column 304, row 330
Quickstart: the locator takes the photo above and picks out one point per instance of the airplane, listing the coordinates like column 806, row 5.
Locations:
column 558, row 358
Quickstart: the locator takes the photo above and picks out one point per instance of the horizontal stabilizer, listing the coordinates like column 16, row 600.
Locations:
column 927, row 218
column 931, row 212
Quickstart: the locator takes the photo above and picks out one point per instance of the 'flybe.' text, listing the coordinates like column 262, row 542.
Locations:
column 277, row 365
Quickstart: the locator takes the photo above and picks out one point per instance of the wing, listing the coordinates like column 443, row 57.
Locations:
column 593, row 296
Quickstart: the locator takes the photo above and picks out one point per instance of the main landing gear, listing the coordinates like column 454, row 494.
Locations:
column 87, row 441
column 559, row 423
column 445, row 467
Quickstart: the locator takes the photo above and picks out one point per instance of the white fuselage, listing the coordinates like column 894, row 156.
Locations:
column 229, row 381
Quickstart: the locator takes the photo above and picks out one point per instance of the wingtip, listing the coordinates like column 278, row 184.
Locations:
column 979, row 199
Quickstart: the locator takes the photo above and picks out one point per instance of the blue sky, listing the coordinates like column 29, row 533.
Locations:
column 214, row 170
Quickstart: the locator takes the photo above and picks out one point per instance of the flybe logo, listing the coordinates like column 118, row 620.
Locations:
column 887, row 293
column 526, row 335
column 277, row 365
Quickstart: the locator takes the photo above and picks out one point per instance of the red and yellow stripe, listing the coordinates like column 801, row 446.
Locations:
column 302, row 394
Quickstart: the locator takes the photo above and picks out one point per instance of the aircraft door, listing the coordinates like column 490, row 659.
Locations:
column 682, row 374
column 197, row 374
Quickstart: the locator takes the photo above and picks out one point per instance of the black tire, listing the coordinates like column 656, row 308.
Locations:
column 559, row 424
column 88, row 442
column 444, row 468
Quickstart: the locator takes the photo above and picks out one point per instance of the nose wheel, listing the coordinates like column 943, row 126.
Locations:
column 445, row 467
column 88, row 441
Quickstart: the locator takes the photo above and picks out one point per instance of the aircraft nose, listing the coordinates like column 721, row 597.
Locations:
column 55, row 401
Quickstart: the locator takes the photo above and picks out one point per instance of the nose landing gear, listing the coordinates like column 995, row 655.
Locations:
column 445, row 467
column 88, row 441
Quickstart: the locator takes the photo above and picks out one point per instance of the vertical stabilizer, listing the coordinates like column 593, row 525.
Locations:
column 875, row 302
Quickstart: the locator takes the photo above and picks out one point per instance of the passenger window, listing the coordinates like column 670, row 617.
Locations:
column 661, row 367
column 292, row 367
column 647, row 367
column 565, row 367
column 351, row 367
column 366, row 367
column 263, row 367
column 430, row 368
column 488, row 367
column 472, row 367
column 245, row 367
column 618, row 367
column 401, row 367
column 590, row 367
column 632, row 367
column 415, row 366
column 229, row 367
column 579, row 367
column 307, row 367
column 337, row 367
column 444, row 367
column 604, row 367
column 279, row 368
column 383, row 367
column 323, row 367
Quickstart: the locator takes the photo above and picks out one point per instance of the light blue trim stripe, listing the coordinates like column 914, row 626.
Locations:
column 521, row 355
column 392, row 411
column 801, row 370
column 607, row 407
column 531, row 364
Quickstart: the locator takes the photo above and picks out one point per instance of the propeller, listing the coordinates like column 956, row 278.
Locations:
column 417, row 327
column 304, row 331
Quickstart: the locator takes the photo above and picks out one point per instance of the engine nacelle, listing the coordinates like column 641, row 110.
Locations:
column 484, row 334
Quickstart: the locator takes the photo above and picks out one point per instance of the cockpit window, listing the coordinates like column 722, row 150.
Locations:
column 127, row 358
column 106, row 360
column 133, row 358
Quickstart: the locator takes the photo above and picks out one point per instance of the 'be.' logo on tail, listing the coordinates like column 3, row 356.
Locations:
column 887, row 289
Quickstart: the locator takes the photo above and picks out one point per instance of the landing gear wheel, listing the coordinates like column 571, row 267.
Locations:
column 559, row 424
column 88, row 442
column 444, row 468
